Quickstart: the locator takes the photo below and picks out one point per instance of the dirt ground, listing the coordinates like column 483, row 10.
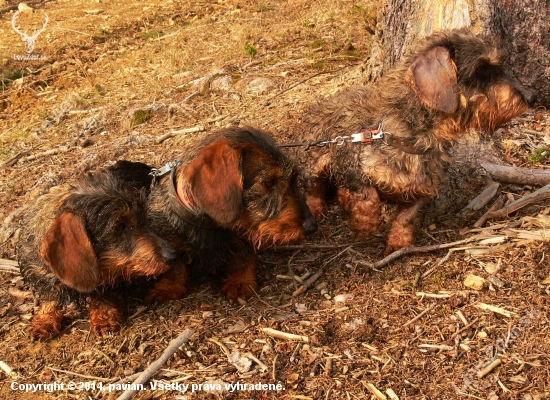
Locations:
column 114, row 76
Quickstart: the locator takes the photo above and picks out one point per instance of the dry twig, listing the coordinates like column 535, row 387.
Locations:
column 419, row 315
column 155, row 366
column 538, row 195
column 221, row 346
column 484, row 371
column 413, row 250
column 198, row 128
column 284, row 335
column 51, row 152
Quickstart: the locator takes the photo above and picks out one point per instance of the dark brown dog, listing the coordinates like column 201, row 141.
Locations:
column 80, row 240
column 452, row 82
column 233, row 194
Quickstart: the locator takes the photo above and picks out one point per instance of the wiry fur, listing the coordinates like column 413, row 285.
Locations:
column 81, row 240
column 453, row 82
column 247, row 189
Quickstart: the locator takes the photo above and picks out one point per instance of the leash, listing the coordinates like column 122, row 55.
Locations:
column 367, row 136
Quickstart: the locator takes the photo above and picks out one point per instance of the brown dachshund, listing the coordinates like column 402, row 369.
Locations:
column 232, row 194
column 396, row 133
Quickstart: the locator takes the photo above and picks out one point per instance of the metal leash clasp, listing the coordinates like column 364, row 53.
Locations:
column 340, row 140
column 158, row 172
column 369, row 135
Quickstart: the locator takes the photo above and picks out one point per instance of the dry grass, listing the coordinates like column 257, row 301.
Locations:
column 187, row 63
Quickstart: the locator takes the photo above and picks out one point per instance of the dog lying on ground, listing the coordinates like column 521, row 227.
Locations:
column 232, row 194
column 81, row 240
column 402, row 128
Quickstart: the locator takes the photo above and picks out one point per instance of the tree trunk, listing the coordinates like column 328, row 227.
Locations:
column 520, row 27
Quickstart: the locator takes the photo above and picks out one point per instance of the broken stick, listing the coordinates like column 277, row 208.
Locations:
column 496, row 206
column 9, row 266
column 538, row 195
column 284, row 335
column 51, row 152
column 198, row 128
column 413, row 250
column 155, row 366
column 521, row 176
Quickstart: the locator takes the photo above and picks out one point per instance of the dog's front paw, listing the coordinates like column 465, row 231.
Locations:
column 46, row 323
column 399, row 237
column 236, row 287
column 318, row 207
column 105, row 318
column 164, row 290
column 396, row 245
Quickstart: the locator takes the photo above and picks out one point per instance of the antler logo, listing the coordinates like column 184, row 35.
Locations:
column 29, row 40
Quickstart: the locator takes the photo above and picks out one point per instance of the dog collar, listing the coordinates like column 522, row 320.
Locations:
column 185, row 207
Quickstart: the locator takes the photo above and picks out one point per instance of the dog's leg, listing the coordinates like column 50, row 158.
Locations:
column 46, row 323
column 317, row 189
column 241, row 277
column 408, row 219
column 365, row 208
column 171, row 286
column 316, row 197
column 105, row 316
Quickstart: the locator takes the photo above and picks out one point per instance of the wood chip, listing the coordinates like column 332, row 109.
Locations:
column 474, row 282
column 484, row 371
column 284, row 335
column 495, row 309
column 391, row 394
column 376, row 393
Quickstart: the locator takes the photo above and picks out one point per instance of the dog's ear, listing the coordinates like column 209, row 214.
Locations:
column 433, row 77
column 66, row 248
column 215, row 180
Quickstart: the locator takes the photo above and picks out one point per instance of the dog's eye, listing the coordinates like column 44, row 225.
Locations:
column 269, row 183
column 120, row 227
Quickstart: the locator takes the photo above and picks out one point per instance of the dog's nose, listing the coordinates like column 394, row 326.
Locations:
column 529, row 95
column 309, row 225
column 169, row 253
column 531, row 98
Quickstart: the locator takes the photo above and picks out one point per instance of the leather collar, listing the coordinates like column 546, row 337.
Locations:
column 406, row 145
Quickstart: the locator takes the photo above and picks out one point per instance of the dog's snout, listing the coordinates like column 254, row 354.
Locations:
column 309, row 225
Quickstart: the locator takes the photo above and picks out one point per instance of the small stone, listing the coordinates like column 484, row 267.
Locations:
column 222, row 83
column 342, row 298
column 260, row 84
column 474, row 282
